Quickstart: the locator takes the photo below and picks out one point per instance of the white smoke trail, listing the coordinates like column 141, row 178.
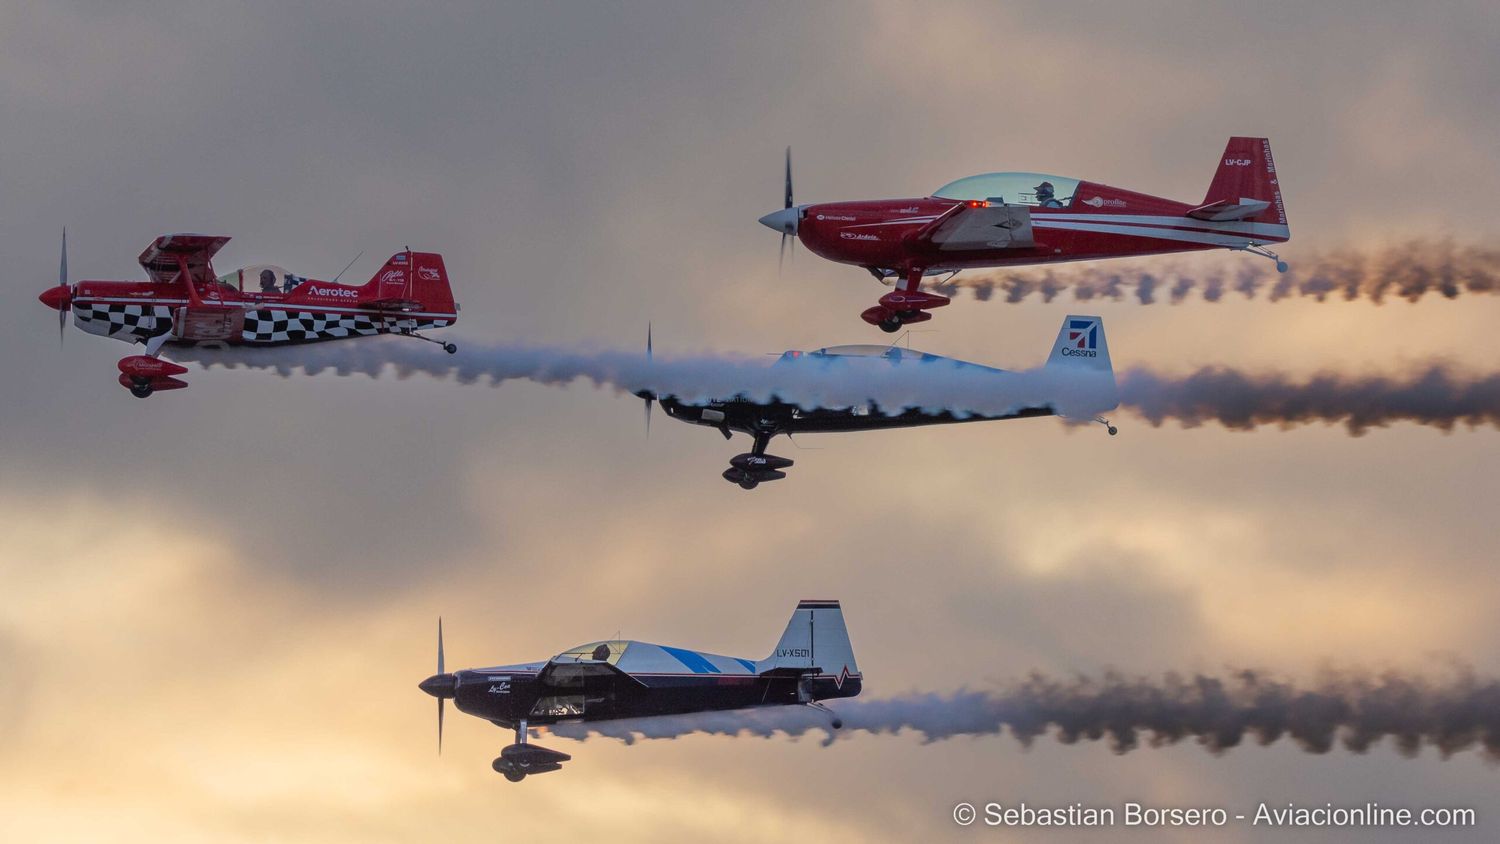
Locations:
column 809, row 381
column 1434, row 395
column 1406, row 271
column 1353, row 710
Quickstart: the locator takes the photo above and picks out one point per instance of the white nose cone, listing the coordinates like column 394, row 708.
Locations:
column 784, row 220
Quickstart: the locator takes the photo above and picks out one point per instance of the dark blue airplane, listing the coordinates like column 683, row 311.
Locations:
column 626, row 679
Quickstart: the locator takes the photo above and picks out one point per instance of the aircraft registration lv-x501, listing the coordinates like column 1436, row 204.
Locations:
column 186, row 304
column 624, row 679
column 1009, row 219
column 1077, row 382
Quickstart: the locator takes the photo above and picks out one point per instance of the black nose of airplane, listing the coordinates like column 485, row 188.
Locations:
column 440, row 685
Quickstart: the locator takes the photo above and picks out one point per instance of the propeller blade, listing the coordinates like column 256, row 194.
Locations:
column 62, row 280
column 440, row 671
column 648, row 398
column 788, row 178
column 781, row 261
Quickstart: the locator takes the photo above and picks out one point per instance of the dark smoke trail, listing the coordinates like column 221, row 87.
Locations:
column 1433, row 396
column 1355, row 711
column 1405, row 271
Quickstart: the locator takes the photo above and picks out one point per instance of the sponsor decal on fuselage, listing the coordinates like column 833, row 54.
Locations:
column 842, row 218
column 1101, row 202
column 501, row 688
column 336, row 292
column 393, row 277
column 857, row 236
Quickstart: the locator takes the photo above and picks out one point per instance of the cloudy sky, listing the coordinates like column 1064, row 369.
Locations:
column 215, row 605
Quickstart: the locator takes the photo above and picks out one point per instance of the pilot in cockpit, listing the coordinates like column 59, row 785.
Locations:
column 1045, row 196
column 267, row 281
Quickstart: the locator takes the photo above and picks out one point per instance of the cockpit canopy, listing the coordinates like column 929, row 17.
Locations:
column 606, row 651
column 1013, row 188
column 858, row 350
column 262, row 278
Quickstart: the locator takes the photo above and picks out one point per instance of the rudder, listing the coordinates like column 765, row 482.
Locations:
column 814, row 638
column 1246, row 172
column 418, row 278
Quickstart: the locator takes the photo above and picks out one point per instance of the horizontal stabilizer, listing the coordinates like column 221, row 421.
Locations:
column 1224, row 210
column 791, row 672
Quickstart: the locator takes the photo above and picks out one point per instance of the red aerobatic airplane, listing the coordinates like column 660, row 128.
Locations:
column 186, row 303
column 1008, row 219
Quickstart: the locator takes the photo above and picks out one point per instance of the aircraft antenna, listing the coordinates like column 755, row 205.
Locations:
column 346, row 268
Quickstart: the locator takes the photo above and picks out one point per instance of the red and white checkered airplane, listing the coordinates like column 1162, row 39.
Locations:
column 186, row 303
column 1010, row 219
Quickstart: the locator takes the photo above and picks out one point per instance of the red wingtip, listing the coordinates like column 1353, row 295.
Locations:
column 57, row 298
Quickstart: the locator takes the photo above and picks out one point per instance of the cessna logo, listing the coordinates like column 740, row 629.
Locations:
column 796, row 652
column 502, row 688
column 1082, row 339
column 339, row 292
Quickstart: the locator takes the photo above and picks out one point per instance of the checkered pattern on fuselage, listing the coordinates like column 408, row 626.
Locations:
column 133, row 323
column 265, row 326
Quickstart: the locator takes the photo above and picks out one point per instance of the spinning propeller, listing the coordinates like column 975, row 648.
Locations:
column 646, row 395
column 61, row 296
column 785, row 220
column 441, row 685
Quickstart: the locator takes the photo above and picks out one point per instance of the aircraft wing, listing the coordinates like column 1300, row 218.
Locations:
column 563, row 673
column 980, row 226
column 160, row 260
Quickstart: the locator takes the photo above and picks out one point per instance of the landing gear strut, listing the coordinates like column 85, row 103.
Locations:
column 1257, row 249
column 755, row 467
column 904, row 305
column 447, row 347
column 521, row 759
column 835, row 721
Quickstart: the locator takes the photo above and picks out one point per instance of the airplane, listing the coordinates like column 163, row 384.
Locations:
column 1009, row 219
column 615, row 679
column 1080, row 352
column 186, row 304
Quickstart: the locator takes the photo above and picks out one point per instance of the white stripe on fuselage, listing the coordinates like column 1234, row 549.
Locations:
column 1226, row 226
column 1213, row 238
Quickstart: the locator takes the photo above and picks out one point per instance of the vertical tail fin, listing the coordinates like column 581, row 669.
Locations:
column 1080, row 344
column 815, row 638
column 1245, row 186
column 418, row 279
column 1081, row 354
